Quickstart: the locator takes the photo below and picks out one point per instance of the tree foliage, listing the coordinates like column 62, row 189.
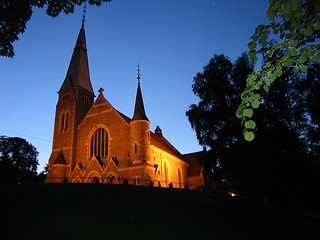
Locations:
column 284, row 156
column 297, row 24
column 18, row 160
column 15, row 14
column 218, row 87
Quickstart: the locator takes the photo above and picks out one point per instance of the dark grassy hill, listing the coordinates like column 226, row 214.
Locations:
column 100, row 211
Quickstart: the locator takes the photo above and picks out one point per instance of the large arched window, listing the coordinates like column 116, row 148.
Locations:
column 99, row 143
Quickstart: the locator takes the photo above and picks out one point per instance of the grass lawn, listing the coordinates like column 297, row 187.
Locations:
column 100, row 211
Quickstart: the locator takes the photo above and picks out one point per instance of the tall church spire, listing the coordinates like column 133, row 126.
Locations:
column 139, row 112
column 78, row 71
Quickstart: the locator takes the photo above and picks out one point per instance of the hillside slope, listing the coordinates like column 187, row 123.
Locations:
column 100, row 211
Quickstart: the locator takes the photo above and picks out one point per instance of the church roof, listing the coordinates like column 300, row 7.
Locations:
column 159, row 141
column 78, row 71
column 124, row 117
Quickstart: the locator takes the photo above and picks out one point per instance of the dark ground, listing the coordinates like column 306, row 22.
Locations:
column 100, row 211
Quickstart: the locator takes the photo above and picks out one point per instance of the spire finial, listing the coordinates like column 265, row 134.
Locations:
column 84, row 13
column 138, row 74
column 101, row 90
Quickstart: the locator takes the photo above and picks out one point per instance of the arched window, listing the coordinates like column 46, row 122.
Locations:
column 67, row 121
column 136, row 180
column 64, row 122
column 111, row 179
column 99, row 143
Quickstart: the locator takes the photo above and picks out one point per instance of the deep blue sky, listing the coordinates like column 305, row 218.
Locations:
column 171, row 39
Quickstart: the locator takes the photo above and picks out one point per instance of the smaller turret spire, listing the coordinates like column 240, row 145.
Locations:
column 139, row 112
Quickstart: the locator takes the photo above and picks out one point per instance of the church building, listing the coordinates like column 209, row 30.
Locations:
column 95, row 143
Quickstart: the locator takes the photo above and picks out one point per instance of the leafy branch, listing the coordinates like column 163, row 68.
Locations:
column 297, row 24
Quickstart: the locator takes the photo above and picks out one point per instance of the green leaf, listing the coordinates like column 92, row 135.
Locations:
column 239, row 112
column 267, row 64
column 254, row 37
column 277, row 46
column 296, row 69
column 253, row 58
column 244, row 95
column 302, row 60
column 255, row 103
column 252, row 45
column 315, row 58
column 287, row 63
column 292, row 51
column 303, row 68
column 316, row 26
column 264, row 42
column 308, row 32
column 249, row 136
column 270, row 52
column 250, row 124
column 270, row 13
column 256, row 96
column 248, row 112
column 250, row 79
column 266, row 88
column 277, row 73
column 258, row 85
column 294, row 43
column 275, row 31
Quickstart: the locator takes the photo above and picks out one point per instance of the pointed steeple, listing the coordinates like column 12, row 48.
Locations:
column 78, row 71
column 139, row 112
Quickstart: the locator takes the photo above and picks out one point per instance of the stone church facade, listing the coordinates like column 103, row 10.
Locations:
column 94, row 142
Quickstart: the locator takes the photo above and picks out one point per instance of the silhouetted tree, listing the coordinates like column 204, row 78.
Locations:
column 311, row 88
column 273, row 168
column 15, row 14
column 43, row 174
column 218, row 88
column 18, row 160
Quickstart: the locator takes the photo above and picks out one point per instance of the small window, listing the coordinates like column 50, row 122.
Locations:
column 67, row 121
column 135, row 149
column 65, row 97
column 62, row 123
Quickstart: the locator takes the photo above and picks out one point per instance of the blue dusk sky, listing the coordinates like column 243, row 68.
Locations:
column 171, row 39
